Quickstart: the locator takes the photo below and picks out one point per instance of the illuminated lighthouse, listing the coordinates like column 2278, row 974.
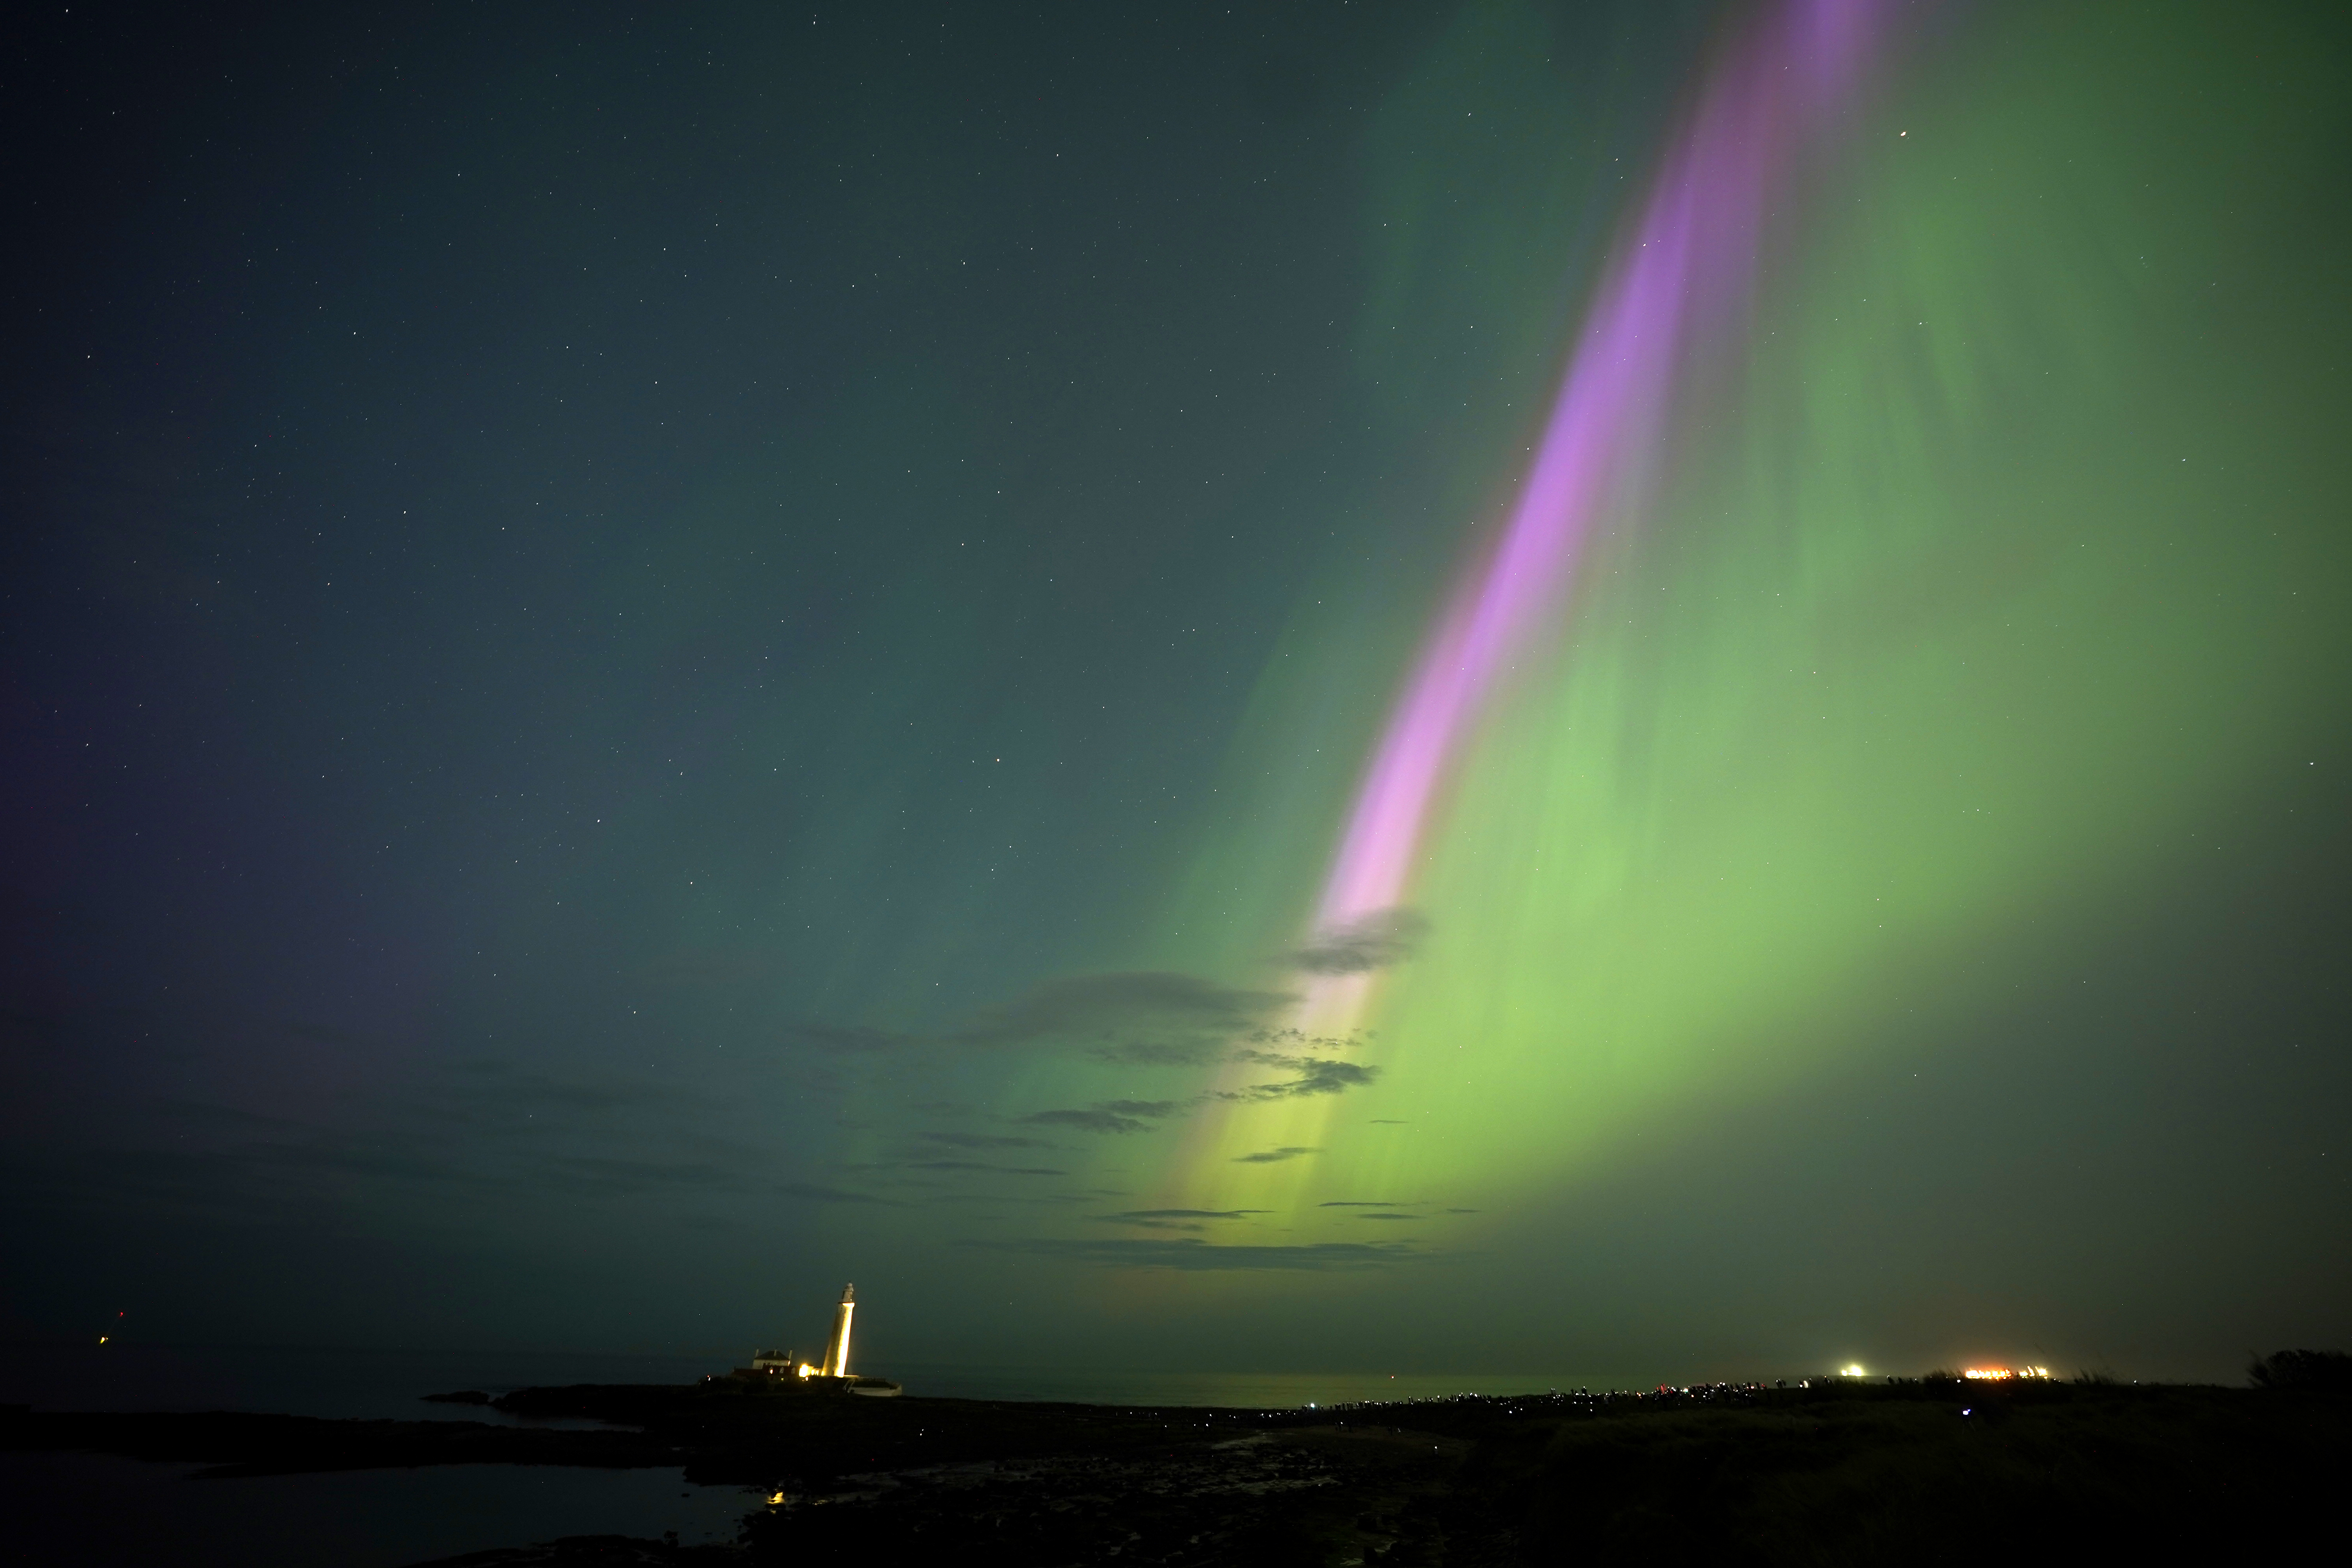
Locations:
column 836, row 1349
column 777, row 1371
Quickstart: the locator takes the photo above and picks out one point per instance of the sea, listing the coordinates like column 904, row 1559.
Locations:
column 95, row 1510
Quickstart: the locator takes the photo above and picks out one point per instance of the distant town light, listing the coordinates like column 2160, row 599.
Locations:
column 1853, row 1371
column 1997, row 1374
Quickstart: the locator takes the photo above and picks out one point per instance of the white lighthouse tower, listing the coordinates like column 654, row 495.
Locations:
column 836, row 1350
column 779, row 1370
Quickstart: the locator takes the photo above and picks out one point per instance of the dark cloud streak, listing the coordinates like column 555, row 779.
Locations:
column 1176, row 1219
column 1109, row 1115
column 1377, row 941
column 1317, row 1075
column 1191, row 1255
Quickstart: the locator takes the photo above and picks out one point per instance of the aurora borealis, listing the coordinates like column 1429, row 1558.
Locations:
column 1686, row 258
column 1185, row 690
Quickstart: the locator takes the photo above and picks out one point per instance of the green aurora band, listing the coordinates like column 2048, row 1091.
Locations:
column 1995, row 564
column 1990, row 575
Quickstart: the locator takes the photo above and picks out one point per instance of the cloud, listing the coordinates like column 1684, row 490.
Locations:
column 1109, row 1115
column 1386, row 1210
column 1149, row 1107
column 985, row 1141
column 1376, row 941
column 1159, row 1053
column 1272, row 1156
column 1085, row 1121
column 606, row 1173
column 1384, row 1122
column 497, row 1097
column 1150, row 1017
column 248, row 1181
column 978, row 1165
column 516, row 1089
column 1190, row 1255
column 1317, row 1075
column 809, row 1192
column 1299, row 1039
column 1176, row 1219
column 1144, row 1018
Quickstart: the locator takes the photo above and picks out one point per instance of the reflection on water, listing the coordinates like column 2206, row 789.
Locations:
column 309, row 1380
column 1240, row 1390
column 87, row 1509
column 379, row 1383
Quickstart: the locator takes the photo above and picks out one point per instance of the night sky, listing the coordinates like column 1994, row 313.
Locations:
column 652, row 658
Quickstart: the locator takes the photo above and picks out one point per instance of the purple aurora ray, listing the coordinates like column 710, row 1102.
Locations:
column 1678, row 278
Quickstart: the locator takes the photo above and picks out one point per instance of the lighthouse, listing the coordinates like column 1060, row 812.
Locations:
column 836, row 1350
column 778, row 1372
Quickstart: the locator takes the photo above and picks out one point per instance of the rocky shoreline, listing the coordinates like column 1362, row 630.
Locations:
column 1838, row 1473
